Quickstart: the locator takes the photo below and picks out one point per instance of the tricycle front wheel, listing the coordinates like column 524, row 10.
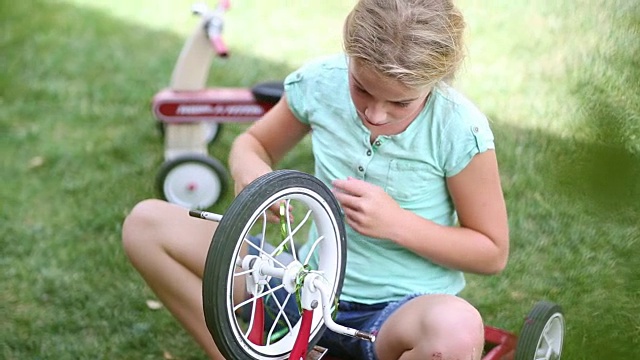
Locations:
column 192, row 181
column 245, row 244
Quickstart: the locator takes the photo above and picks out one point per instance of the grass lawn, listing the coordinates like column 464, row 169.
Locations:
column 79, row 147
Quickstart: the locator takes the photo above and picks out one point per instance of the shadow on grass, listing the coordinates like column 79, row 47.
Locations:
column 569, row 244
column 604, row 171
column 606, row 85
column 574, row 209
column 572, row 242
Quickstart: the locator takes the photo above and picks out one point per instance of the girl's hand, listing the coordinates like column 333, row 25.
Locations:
column 273, row 213
column 368, row 208
column 278, row 212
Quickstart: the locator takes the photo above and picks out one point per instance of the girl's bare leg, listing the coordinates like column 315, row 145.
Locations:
column 432, row 327
column 169, row 248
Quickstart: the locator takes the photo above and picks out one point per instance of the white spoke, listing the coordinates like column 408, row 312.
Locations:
column 264, row 229
column 235, row 308
column 313, row 248
column 253, row 311
column 280, row 313
column 547, row 341
column 289, row 237
column 246, row 272
column 271, row 256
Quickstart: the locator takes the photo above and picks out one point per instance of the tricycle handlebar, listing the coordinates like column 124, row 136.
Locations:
column 214, row 24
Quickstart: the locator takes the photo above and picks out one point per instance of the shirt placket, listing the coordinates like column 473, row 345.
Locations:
column 366, row 158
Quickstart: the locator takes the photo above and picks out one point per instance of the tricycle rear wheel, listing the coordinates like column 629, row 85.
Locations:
column 542, row 333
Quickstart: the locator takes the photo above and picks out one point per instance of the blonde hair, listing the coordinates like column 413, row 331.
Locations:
column 417, row 42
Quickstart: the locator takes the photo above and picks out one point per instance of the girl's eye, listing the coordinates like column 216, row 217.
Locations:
column 360, row 90
column 402, row 104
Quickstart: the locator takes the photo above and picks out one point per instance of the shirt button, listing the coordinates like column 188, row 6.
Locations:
column 377, row 143
column 360, row 168
column 368, row 152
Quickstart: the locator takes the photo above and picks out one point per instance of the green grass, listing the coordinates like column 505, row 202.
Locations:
column 78, row 148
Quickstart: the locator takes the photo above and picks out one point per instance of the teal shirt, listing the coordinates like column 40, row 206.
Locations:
column 411, row 167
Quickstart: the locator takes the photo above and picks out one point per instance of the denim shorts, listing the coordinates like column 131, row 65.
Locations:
column 365, row 317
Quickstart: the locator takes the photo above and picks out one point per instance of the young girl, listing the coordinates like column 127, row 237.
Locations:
column 410, row 160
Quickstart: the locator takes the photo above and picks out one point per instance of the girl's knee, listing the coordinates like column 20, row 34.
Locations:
column 431, row 325
column 141, row 220
column 460, row 326
column 458, row 315
column 452, row 326
column 464, row 313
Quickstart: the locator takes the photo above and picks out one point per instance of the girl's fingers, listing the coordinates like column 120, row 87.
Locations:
column 346, row 200
column 273, row 213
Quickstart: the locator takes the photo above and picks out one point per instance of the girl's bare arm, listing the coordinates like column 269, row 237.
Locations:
column 257, row 150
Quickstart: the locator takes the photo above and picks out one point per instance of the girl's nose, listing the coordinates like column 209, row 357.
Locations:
column 375, row 113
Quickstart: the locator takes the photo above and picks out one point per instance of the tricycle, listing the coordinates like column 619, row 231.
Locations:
column 265, row 259
column 190, row 114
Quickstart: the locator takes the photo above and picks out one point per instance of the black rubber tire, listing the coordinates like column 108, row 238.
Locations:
column 224, row 249
column 534, row 327
column 215, row 166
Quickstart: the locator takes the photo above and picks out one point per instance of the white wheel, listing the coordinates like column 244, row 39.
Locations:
column 542, row 333
column 194, row 182
column 236, row 265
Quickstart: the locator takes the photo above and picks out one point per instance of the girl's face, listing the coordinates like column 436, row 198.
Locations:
column 385, row 106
